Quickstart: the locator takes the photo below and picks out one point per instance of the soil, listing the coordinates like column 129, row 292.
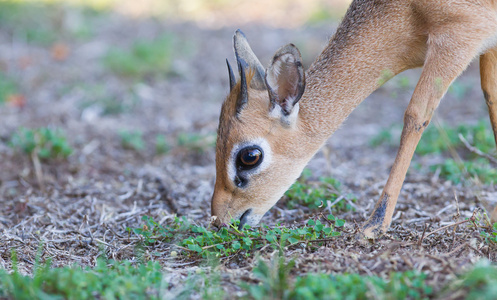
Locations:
column 83, row 205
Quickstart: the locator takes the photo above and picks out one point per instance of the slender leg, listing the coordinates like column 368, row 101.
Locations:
column 443, row 63
column 488, row 74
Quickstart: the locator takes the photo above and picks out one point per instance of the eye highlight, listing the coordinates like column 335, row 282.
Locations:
column 249, row 158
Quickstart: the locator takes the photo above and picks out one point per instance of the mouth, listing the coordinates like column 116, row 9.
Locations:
column 243, row 218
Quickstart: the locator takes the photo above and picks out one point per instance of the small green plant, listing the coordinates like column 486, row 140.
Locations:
column 161, row 145
column 195, row 142
column 143, row 58
column 151, row 231
column 437, row 140
column 275, row 284
column 132, row 140
column 383, row 137
column 491, row 236
column 459, row 172
column 316, row 194
column 230, row 240
column 478, row 283
column 108, row 280
column 47, row 143
column 274, row 279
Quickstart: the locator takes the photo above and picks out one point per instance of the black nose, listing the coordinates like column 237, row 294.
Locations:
column 243, row 218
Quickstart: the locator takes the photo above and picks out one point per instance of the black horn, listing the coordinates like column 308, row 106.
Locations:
column 243, row 98
column 232, row 76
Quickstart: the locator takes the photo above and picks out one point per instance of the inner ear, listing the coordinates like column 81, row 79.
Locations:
column 285, row 79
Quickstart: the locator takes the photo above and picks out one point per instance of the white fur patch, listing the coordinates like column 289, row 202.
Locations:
column 290, row 120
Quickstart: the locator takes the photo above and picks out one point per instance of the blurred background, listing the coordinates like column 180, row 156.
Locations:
column 116, row 103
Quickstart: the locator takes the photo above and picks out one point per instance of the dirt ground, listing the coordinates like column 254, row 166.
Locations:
column 86, row 202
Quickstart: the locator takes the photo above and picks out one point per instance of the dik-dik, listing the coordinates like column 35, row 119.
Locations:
column 274, row 120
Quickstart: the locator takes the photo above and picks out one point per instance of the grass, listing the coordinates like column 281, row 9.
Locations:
column 444, row 140
column 491, row 236
column 46, row 143
column 108, row 280
column 161, row 145
column 315, row 195
column 42, row 23
column 98, row 96
column 111, row 279
column 275, row 283
column 206, row 242
column 276, row 279
column 196, row 142
column 143, row 58
column 438, row 140
column 461, row 171
column 192, row 142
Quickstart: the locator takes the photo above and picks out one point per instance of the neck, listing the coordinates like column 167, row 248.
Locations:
column 338, row 80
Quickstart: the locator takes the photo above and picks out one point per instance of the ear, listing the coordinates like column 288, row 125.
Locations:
column 285, row 79
column 248, row 60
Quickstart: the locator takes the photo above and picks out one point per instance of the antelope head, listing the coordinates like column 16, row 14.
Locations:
column 259, row 149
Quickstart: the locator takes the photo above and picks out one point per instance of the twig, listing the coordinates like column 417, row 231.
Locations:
column 456, row 249
column 476, row 150
column 186, row 249
column 423, row 235
column 472, row 219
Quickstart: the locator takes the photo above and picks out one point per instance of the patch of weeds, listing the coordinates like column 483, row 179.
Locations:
column 201, row 285
column 230, row 240
column 401, row 285
column 274, row 279
column 478, row 283
column 43, row 23
column 460, row 89
column 491, row 236
column 438, row 140
column 47, row 143
column 316, row 194
column 383, row 137
column 457, row 172
column 143, row 58
column 151, row 231
column 108, row 280
column 435, row 140
column 275, row 283
column 403, row 82
column 132, row 140
column 195, row 142
column 8, row 88
column 161, row 145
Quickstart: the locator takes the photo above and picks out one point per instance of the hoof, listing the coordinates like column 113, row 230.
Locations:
column 370, row 233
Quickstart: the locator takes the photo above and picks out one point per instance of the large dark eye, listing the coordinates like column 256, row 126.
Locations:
column 249, row 158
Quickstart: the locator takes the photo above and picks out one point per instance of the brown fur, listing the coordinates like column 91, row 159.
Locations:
column 376, row 40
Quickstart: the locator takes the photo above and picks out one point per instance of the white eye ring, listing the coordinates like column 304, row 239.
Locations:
column 259, row 142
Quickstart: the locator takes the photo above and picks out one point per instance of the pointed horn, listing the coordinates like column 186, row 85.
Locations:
column 232, row 76
column 243, row 98
column 244, row 53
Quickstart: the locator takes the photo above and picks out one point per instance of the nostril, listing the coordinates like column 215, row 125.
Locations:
column 243, row 218
column 240, row 181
